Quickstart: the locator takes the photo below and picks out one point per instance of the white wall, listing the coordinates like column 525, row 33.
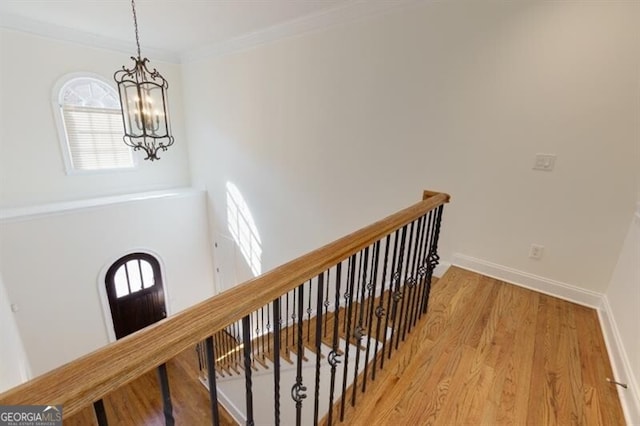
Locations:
column 32, row 169
column 51, row 266
column 623, row 300
column 329, row 131
column 14, row 368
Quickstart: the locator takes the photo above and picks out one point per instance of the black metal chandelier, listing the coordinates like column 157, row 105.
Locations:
column 143, row 98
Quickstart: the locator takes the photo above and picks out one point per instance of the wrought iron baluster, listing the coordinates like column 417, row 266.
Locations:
column 101, row 414
column 318, row 343
column 428, row 261
column 286, row 323
column 309, row 312
column 434, row 258
column 279, row 326
column 225, row 343
column 256, row 346
column 398, row 295
column 379, row 311
column 390, row 296
column 404, row 283
column 246, row 337
column 349, row 301
column 358, row 331
column 298, row 389
column 236, row 347
column 413, row 280
column 238, row 341
column 202, row 356
column 372, row 293
column 167, row 406
column 357, row 306
column 231, row 348
column 269, row 336
column 262, row 331
column 368, row 284
column 199, row 355
column 211, row 376
column 422, row 268
column 327, row 303
column 202, row 345
column 294, row 316
column 276, row 360
column 334, row 356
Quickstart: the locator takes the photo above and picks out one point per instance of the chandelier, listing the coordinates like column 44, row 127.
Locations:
column 143, row 98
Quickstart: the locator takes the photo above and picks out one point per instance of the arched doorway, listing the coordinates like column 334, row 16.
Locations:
column 135, row 293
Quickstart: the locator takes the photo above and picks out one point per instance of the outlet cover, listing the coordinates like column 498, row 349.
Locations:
column 545, row 162
column 536, row 251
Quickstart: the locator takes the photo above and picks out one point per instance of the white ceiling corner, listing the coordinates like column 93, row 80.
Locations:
column 45, row 29
column 347, row 12
column 186, row 30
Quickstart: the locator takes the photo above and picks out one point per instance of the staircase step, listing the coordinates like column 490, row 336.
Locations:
column 270, row 352
column 259, row 359
column 230, row 353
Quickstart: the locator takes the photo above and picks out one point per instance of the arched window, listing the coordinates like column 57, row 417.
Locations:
column 133, row 273
column 243, row 228
column 90, row 125
column 135, row 293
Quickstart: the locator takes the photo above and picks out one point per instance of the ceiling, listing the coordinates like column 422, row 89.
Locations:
column 170, row 29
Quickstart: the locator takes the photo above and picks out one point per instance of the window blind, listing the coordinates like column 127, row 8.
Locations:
column 95, row 138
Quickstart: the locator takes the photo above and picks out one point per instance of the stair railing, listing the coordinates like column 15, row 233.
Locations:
column 334, row 315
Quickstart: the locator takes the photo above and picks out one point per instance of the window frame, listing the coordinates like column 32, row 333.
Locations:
column 63, row 138
column 110, row 278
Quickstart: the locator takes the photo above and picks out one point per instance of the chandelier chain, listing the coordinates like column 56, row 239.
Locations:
column 146, row 126
column 135, row 24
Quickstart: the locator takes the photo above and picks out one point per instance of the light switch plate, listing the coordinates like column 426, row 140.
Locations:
column 545, row 162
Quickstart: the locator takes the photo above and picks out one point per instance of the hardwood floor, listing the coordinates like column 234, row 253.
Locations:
column 490, row 353
column 487, row 353
column 139, row 403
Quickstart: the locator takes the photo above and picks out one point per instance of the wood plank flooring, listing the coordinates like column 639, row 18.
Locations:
column 490, row 353
column 139, row 403
column 487, row 353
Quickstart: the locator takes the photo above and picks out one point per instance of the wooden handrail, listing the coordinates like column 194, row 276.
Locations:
column 81, row 382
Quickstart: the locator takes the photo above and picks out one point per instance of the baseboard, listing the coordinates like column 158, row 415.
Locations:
column 227, row 404
column 441, row 269
column 630, row 397
column 534, row 282
column 620, row 364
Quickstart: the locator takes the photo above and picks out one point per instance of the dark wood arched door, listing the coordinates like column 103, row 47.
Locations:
column 135, row 293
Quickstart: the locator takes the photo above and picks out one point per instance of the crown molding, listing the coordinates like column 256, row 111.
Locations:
column 352, row 11
column 57, row 32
